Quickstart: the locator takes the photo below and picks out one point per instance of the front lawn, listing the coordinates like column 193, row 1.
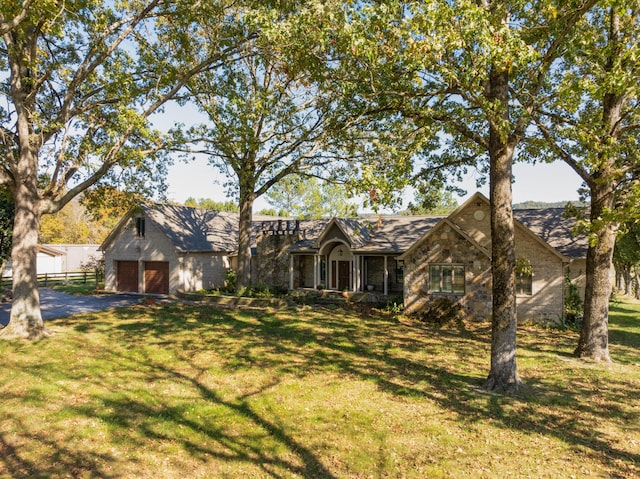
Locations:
column 166, row 391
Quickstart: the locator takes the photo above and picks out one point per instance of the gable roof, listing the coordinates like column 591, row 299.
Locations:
column 201, row 230
column 195, row 229
column 550, row 225
column 396, row 234
column 379, row 234
column 438, row 225
column 188, row 229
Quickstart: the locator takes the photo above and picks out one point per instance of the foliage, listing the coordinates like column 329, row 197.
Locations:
column 185, row 390
column 310, row 198
column 523, row 266
column 265, row 122
column 209, row 204
column 95, row 264
column 431, row 201
column 230, row 281
column 74, row 225
column 591, row 121
column 626, row 258
column 443, row 312
column 106, row 204
column 462, row 78
column 82, row 81
column 6, row 225
column 573, row 306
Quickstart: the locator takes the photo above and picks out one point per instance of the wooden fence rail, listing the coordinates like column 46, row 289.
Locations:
column 48, row 279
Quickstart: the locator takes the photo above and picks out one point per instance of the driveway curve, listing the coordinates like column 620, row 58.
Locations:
column 55, row 304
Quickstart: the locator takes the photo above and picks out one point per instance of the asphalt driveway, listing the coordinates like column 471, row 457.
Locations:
column 55, row 304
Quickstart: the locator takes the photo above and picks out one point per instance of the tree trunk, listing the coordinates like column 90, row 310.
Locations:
column 243, row 277
column 503, row 375
column 627, row 280
column 26, row 319
column 594, row 334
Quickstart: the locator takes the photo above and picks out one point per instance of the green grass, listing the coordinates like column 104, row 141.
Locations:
column 169, row 391
column 82, row 289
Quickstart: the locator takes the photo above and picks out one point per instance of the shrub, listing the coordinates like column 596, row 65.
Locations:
column 442, row 312
column 230, row 281
column 573, row 307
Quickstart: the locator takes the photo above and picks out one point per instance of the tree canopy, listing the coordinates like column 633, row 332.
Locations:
column 590, row 119
column 82, row 80
column 309, row 197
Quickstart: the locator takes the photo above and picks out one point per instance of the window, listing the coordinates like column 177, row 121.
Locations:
column 323, row 270
column 524, row 277
column 399, row 272
column 445, row 278
column 140, row 227
column 524, row 283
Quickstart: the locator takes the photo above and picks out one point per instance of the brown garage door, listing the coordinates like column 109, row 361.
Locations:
column 156, row 277
column 127, row 276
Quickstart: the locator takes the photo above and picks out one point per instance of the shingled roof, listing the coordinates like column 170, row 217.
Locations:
column 551, row 225
column 377, row 234
column 201, row 230
column 195, row 229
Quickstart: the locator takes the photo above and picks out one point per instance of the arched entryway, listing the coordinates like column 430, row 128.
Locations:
column 339, row 261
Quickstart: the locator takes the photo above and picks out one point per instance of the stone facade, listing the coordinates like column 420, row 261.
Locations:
column 272, row 260
column 464, row 240
column 446, row 246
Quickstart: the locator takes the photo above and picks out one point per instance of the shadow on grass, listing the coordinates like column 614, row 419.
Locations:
column 63, row 461
column 402, row 360
column 381, row 350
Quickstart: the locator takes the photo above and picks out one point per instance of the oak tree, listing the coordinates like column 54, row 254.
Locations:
column 472, row 72
column 82, row 79
column 265, row 122
column 591, row 120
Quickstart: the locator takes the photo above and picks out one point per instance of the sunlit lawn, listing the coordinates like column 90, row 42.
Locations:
column 185, row 392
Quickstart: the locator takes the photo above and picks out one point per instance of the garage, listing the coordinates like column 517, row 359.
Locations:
column 127, row 279
column 156, row 277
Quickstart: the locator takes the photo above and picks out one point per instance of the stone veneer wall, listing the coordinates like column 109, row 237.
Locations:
column 272, row 260
column 447, row 246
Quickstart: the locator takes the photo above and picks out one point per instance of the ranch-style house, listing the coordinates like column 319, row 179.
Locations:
column 161, row 249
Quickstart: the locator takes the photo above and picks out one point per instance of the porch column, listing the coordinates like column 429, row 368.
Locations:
column 315, row 271
column 386, row 277
column 290, row 272
column 356, row 273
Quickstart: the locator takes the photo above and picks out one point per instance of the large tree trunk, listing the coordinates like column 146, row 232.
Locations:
column 503, row 375
column 26, row 318
column 594, row 334
column 243, row 277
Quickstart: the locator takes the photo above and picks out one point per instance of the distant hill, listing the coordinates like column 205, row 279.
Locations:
column 529, row 205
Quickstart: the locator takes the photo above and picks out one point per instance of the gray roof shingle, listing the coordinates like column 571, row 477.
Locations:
column 551, row 225
column 200, row 230
column 195, row 229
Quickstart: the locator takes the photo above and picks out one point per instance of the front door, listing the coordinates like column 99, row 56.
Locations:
column 344, row 270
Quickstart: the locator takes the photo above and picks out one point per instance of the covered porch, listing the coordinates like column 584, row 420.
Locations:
column 335, row 266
